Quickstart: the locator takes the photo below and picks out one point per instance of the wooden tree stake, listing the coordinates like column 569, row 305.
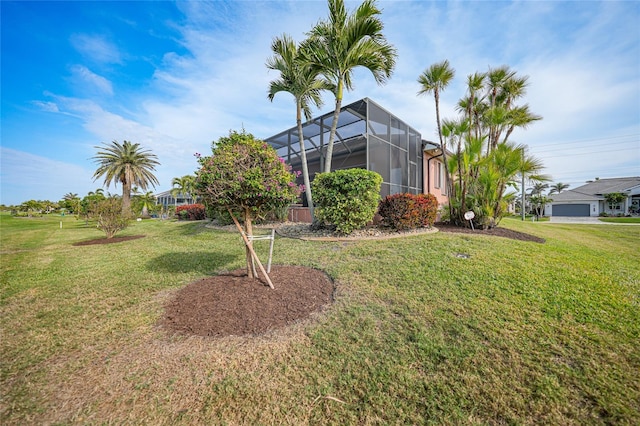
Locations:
column 250, row 247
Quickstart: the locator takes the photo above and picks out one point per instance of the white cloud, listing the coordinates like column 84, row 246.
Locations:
column 46, row 106
column 83, row 76
column 96, row 48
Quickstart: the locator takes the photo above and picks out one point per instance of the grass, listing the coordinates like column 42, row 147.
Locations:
column 620, row 219
column 518, row 333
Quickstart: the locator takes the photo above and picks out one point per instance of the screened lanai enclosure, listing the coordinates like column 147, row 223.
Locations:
column 367, row 137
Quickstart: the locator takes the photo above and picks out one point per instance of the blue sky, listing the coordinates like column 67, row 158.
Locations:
column 175, row 76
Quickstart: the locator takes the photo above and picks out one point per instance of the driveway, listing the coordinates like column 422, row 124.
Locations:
column 589, row 220
column 593, row 220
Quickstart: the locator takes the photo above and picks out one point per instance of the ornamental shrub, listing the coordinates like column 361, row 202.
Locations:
column 191, row 212
column 408, row 211
column 245, row 175
column 110, row 217
column 347, row 199
column 428, row 206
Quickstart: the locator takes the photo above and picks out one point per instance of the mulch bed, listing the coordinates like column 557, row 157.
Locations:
column 496, row 232
column 233, row 304
column 108, row 240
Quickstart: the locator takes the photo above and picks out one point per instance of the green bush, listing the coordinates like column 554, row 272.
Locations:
column 408, row 211
column 347, row 199
column 110, row 217
column 222, row 217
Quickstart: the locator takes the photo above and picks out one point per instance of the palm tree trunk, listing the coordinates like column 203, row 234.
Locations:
column 305, row 167
column 334, row 127
column 126, row 198
column 447, row 182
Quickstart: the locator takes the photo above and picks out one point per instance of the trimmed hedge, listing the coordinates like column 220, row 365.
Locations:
column 347, row 199
column 408, row 211
column 191, row 212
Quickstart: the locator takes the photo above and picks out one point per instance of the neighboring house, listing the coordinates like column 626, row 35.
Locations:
column 589, row 199
column 367, row 137
column 167, row 199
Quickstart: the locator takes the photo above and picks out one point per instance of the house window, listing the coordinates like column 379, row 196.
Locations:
column 437, row 181
column 440, row 177
column 615, row 206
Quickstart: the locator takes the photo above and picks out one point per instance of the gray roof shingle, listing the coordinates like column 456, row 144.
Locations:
column 595, row 190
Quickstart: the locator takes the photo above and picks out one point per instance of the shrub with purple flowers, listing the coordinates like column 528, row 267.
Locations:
column 245, row 175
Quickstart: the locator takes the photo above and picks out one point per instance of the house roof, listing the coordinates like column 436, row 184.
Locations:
column 595, row 190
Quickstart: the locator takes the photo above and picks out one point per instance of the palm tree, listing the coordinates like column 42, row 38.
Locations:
column 72, row 202
column 128, row 165
column 558, row 188
column 434, row 80
column 539, row 188
column 146, row 200
column 344, row 42
column 69, row 196
column 183, row 185
column 303, row 82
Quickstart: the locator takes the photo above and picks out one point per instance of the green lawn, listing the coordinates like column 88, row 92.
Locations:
column 620, row 219
column 518, row 333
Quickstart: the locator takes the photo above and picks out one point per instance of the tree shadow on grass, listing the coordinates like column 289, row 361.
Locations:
column 204, row 262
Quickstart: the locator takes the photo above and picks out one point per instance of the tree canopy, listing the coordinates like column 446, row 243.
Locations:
column 128, row 164
column 484, row 161
column 245, row 176
column 343, row 42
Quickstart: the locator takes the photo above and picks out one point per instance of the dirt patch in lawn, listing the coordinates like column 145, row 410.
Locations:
column 108, row 240
column 233, row 304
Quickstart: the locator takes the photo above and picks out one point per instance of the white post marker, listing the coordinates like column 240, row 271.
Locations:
column 469, row 216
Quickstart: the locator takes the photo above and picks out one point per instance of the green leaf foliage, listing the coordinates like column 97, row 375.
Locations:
column 347, row 199
column 111, row 220
column 246, row 175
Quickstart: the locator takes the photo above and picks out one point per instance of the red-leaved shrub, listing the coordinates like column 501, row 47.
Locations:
column 408, row 211
column 191, row 212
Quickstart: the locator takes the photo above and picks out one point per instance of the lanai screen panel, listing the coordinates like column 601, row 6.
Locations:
column 367, row 137
column 395, row 151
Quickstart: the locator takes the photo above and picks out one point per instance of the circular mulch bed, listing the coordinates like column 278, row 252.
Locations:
column 108, row 240
column 233, row 304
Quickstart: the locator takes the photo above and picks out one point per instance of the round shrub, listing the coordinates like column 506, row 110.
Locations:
column 408, row 211
column 246, row 175
column 347, row 199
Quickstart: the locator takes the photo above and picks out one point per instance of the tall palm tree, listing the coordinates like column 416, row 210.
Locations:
column 343, row 42
column 434, row 80
column 304, row 83
column 183, row 185
column 127, row 164
column 558, row 188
